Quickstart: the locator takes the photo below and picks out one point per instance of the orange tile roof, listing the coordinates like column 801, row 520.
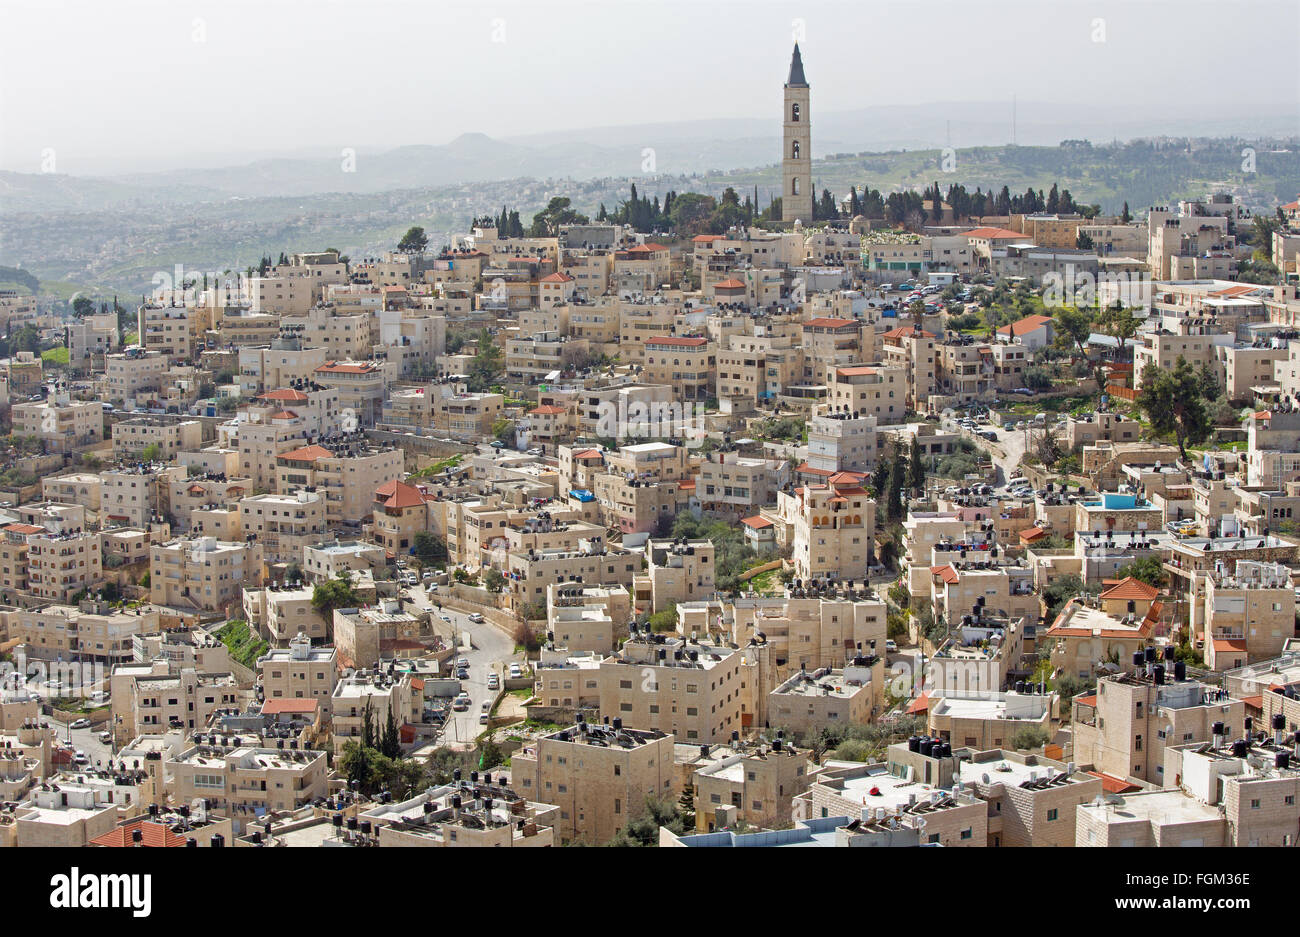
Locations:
column 756, row 522
column 306, row 454
column 994, row 234
column 151, row 834
column 284, row 415
column 587, row 454
column 557, row 278
column 1230, row 644
column 806, row 469
column 1130, row 588
column 903, row 331
column 287, row 394
column 397, row 494
column 23, row 528
column 1025, row 326
column 1030, row 534
column 731, row 283
column 710, row 238
column 823, row 322
column 945, row 572
column 677, row 340
column 334, row 367
column 273, row 707
column 1087, row 700
column 919, row 705
column 1113, row 785
column 855, row 371
column 547, row 410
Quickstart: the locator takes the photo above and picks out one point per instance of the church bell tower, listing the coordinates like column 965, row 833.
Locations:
column 796, row 158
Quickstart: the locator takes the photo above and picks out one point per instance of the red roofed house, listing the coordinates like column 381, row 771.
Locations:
column 760, row 533
column 688, row 365
column 400, row 512
column 554, row 289
column 1031, row 331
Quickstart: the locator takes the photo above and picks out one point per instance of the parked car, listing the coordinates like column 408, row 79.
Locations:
column 515, row 671
column 484, row 718
column 106, row 737
column 460, row 704
column 462, row 663
column 476, row 618
column 891, row 645
column 462, row 674
column 80, row 724
column 494, row 682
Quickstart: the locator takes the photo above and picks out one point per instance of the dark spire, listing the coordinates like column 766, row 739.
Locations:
column 796, row 79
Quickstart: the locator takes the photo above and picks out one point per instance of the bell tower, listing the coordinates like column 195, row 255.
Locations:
column 796, row 157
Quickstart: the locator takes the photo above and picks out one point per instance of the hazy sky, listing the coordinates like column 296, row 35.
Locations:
column 121, row 85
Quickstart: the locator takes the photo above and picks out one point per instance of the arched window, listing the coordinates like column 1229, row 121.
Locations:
column 794, row 150
column 794, row 112
column 794, row 186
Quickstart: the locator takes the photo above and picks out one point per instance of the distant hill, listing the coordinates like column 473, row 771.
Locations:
column 116, row 234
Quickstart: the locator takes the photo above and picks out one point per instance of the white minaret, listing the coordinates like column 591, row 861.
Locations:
column 796, row 157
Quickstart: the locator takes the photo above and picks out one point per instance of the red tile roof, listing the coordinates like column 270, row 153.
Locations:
column 151, row 834
column 731, row 283
column 397, row 494
column 994, row 234
column 286, row 394
column 274, row 707
column 306, row 454
column 823, row 322
column 1025, row 326
column 1130, row 588
column 677, row 340
column 903, row 331
column 547, row 410
column 945, row 572
column 1113, row 785
column 756, row 522
column 919, row 705
column 855, row 370
column 557, row 278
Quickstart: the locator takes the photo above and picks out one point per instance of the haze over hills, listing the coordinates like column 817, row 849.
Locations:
column 682, row 148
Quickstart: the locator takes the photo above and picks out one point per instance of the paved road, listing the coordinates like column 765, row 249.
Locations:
column 87, row 740
column 490, row 646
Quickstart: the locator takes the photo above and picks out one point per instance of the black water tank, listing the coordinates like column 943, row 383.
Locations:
column 1158, row 674
column 927, row 746
column 1279, row 721
column 914, row 743
column 1151, row 655
column 1180, row 670
column 1137, row 658
column 1240, row 748
column 1282, row 760
column 1169, row 652
column 1216, row 729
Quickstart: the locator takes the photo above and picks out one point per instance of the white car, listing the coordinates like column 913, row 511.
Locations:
column 494, row 682
column 515, row 672
column 80, row 724
column 476, row 618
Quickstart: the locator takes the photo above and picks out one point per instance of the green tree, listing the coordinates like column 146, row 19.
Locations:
column 897, row 482
column 430, row 548
column 151, row 452
column 83, row 306
column 1120, row 324
column 334, row 594
column 390, row 745
column 643, row 829
column 1029, row 738
column 1173, row 404
column 1059, row 591
column 493, row 580
column 1073, row 329
column 368, row 738
column 414, row 241
column 488, row 364
column 1149, row 569
column 916, row 468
